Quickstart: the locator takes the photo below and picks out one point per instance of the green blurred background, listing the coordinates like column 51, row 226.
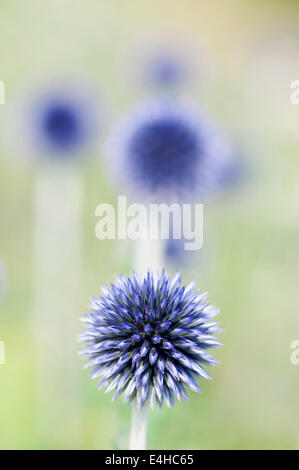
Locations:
column 249, row 262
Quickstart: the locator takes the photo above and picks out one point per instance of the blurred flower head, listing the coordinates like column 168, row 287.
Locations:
column 164, row 61
column 148, row 338
column 166, row 150
column 165, row 69
column 174, row 248
column 56, row 120
column 233, row 174
column 175, row 253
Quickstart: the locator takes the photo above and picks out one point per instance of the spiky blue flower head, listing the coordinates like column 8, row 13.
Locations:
column 166, row 150
column 58, row 119
column 147, row 337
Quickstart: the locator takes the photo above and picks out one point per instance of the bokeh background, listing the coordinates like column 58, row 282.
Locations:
column 247, row 57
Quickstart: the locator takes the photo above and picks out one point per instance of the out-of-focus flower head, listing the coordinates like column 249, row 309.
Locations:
column 174, row 248
column 175, row 253
column 233, row 174
column 165, row 150
column 165, row 69
column 148, row 337
column 57, row 120
column 164, row 61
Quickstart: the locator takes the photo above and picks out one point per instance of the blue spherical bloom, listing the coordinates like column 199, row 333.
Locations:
column 233, row 174
column 165, row 70
column 175, row 253
column 174, row 248
column 167, row 150
column 60, row 124
column 148, row 338
column 58, row 120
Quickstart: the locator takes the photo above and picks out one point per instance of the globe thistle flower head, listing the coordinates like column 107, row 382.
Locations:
column 165, row 70
column 233, row 174
column 56, row 120
column 165, row 61
column 175, row 253
column 147, row 338
column 167, row 151
column 174, row 248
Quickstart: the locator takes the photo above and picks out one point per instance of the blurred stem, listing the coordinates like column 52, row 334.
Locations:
column 138, row 428
column 149, row 252
column 58, row 199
